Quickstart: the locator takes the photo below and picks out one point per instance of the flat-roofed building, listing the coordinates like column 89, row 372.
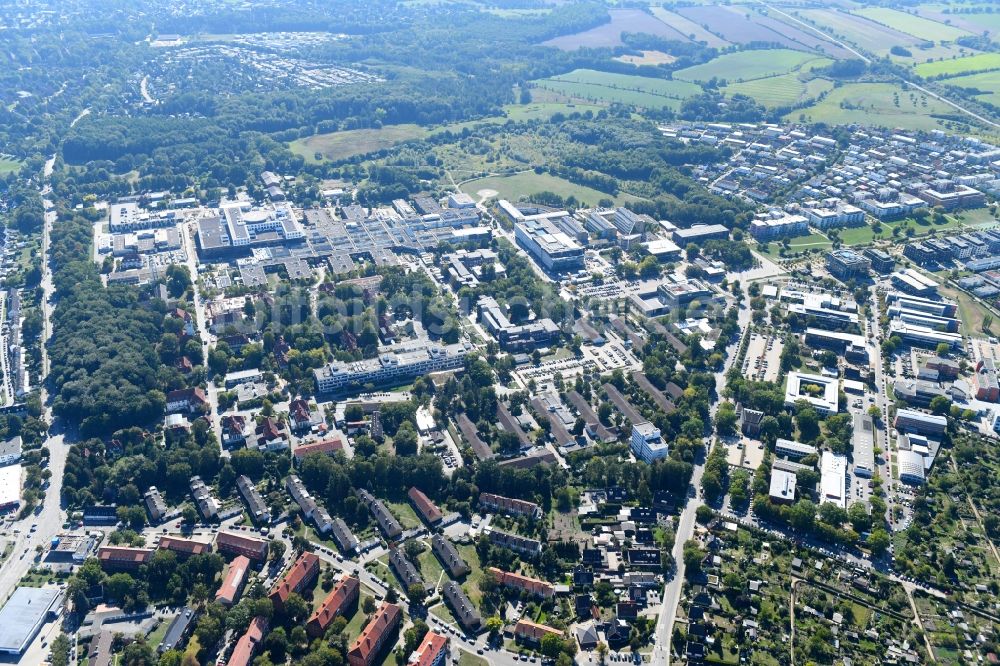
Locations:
column 375, row 635
column 847, row 264
column 700, row 233
column 301, row 575
column 882, row 262
column 824, row 398
column 939, row 308
column 782, row 488
column 908, row 420
column 400, row 363
column 790, row 449
column 913, row 282
column 783, row 226
column 647, row 443
column 924, row 336
column 344, row 594
column 552, row 248
column 864, row 446
column 232, row 585
column 240, row 544
column 24, row 614
column 833, row 479
column 911, row 467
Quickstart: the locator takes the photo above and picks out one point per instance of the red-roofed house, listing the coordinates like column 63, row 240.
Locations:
column 186, row 400
column 343, row 595
column 531, row 632
column 230, row 589
column 184, row 547
column 431, row 514
column 300, row 576
column 121, row 558
column 432, row 651
column 238, row 544
column 247, row 646
column 531, row 585
column 375, row 635
column 327, row 446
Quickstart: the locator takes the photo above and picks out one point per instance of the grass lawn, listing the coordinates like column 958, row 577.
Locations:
column 970, row 311
column 813, row 241
column 157, row 635
column 977, row 63
column 594, row 86
column 471, row 584
column 986, row 82
column 357, row 623
column 442, row 612
column 875, row 104
column 976, row 217
column 467, row 659
column 404, row 512
column 193, row 648
column 8, row 165
column 525, row 185
column 917, row 26
column 430, row 567
column 545, row 110
column 749, row 65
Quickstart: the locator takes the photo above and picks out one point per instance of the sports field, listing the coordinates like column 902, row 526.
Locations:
column 987, row 82
column 688, row 28
column 875, row 104
column 978, row 63
column 778, row 91
column 749, row 65
column 917, row 26
column 594, row 86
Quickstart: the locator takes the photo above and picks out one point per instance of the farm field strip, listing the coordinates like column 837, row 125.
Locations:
column 981, row 62
column 872, row 104
column 609, row 34
column 795, row 33
column 750, row 65
column 603, row 86
column 857, row 30
column 987, row 82
column 687, row 27
column 782, row 90
column 734, row 25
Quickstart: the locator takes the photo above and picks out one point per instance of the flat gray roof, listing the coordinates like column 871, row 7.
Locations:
column 23, row 615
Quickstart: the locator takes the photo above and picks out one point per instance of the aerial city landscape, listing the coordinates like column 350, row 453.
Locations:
column 473, row 332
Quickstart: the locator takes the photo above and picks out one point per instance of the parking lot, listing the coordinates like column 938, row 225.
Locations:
column 763, row 356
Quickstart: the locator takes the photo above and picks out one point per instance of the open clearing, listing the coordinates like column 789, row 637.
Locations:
column 609, row 34
column 545, row 110
column 594, row 86
column 338, row 146
column 873, row 104
column 987, row 82
column 688, row 28
column 778, row 91
column 919, row 27
column 525, row 185
column 977, row 63
column 812, row 241
column 648, row 58
column 749, row 65
column 857, row 30
column 8, row 165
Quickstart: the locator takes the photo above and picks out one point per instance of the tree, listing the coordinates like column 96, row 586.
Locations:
column 943, row 348
column 602, row 652
column 878, row 540
column 940, row 404
column 802, row 514
column 726, row 420
column 405, row 440
column 552, row 645
column 494, row 625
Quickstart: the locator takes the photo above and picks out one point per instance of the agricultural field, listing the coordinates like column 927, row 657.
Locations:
column 919, row 27
column 524, row 185
column 857, row 30
column 978, row 63
column 750, row 65
column 988, row 83
column 647, row 58
column 974, row 17
column 779, row 91
column 743, row 25
column 927, row 53
column 597, row 87
column 875, row 104
column 609, row 34
column 688, row 28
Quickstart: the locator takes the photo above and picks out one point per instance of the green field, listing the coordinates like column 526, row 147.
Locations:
column 813, row 241
column 784, row 90
column 545, row 110
column 8, row 165
column 594, row 86
column 874, row 104
column 688, row 28
column 987, row 82
column 524, row 185
column 976, row 63
column 859, row 31
column 749, row 65
column 917, row 26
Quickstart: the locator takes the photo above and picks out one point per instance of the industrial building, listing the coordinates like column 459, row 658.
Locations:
column 24, row 614
column 864, row 446
column 553, row 249
column 833, row 479
column 390, row 367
